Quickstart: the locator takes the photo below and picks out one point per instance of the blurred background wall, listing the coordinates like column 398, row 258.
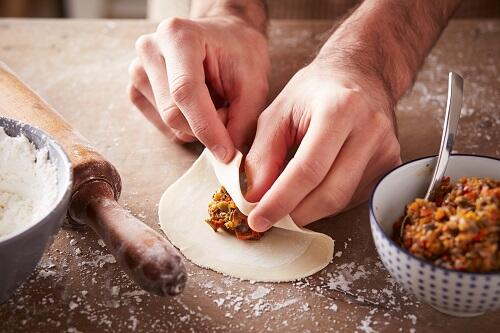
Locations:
column 158, row 9
column 75, row 8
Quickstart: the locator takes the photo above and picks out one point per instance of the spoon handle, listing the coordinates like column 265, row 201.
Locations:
column 453, row 107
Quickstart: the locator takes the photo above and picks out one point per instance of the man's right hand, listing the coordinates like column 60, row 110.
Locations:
column 203, row 79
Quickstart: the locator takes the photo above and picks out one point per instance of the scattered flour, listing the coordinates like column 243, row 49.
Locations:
column 72, row 305
column 260, row 292
column 366, row 325
column 345, row 275
column 28, row 183
column 332, row 307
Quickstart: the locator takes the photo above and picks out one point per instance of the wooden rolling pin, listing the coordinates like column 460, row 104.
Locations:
column 146, row 256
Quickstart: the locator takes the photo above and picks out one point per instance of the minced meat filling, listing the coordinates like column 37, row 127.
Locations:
column 459, row 229
column 224, row 214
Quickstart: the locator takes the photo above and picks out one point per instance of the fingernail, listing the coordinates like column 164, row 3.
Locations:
column 220, row 152
column 261, row 224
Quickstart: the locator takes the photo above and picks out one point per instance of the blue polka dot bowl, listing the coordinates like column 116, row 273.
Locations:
column 452, row 292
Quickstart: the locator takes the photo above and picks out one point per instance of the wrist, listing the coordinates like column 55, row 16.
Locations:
column 252, row 13
column 388, row 41
column 354, row 74
column 361, row 56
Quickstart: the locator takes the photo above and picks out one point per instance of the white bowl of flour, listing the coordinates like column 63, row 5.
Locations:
column 35, row 185
column 28, row 183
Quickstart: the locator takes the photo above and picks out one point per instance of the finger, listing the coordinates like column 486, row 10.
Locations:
column 361, row 195
column 304, row 172
column 140, row 80
column 184, row 55
column 382, row 162
column 176, row 120
column 143, row 104
column 346, row 175
column 172, row 117
column 367, row 184
column 244, row 112
column 335, row 192
column 148, row 110
column 183, row 137
column 156, row 73
column 385, row 158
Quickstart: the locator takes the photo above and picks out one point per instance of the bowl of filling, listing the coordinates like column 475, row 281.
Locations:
column 35, row 187
column 446, row 252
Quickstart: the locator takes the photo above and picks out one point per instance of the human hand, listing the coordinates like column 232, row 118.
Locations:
column 202, row 79
column 342, row 124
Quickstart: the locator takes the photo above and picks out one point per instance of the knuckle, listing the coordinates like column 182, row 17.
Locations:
column 181, row 88
column 394, row 152
column 201, row 130
column 381, row 123
column 311, row 171
column 145, row 44
column 352, row 106
column 352, row 98
column 263, row 118
column 171, row 25
column 133, row 66
column 176, row 28
column 253, row 158
column 137, row 73
column 336, row 199
column 171, row 117
column 344, row 108
column 332, row 116
column 269, row 115
column 280, row 206
column 389, row 154
column 133, row 94
column 184, row 137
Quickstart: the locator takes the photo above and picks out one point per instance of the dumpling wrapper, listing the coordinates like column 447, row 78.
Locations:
column 285, row 253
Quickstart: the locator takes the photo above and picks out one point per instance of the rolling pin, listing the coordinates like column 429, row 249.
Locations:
column 146, row 256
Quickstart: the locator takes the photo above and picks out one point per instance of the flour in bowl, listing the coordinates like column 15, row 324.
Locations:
column 28, row 183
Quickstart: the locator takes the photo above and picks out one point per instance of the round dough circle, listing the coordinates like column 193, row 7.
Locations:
column 285, row 253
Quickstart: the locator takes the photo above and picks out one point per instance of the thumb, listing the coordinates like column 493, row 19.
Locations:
column 266, row 158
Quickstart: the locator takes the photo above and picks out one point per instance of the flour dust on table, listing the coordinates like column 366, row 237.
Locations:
column 285, row 253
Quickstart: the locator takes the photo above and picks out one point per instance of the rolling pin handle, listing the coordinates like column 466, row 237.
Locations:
column 146, row 256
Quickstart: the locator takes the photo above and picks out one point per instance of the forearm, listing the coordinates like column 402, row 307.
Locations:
column 253, row 12
column 389, row 39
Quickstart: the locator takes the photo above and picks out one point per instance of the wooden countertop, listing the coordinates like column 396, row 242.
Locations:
column 80, row 67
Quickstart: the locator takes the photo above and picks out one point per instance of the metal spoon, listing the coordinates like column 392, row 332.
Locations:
column 453, row 107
